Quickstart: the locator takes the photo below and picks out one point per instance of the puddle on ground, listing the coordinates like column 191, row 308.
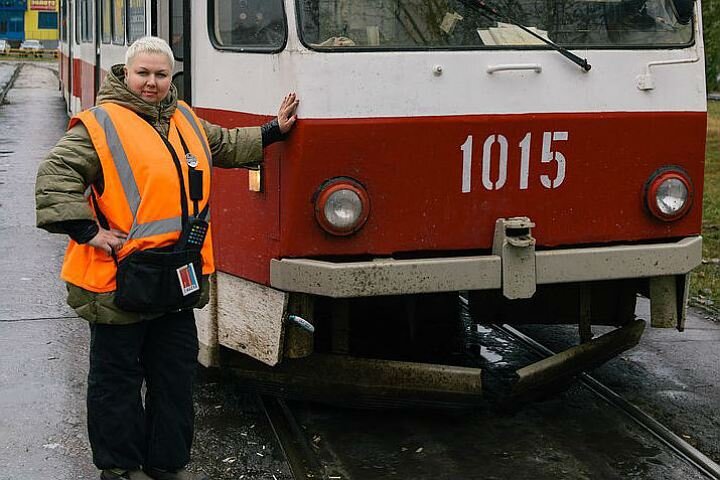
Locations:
column 490, row 355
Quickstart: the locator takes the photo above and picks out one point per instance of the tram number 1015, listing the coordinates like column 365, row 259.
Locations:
column 549, row 155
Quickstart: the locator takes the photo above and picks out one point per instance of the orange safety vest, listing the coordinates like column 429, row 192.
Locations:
column 142, row 188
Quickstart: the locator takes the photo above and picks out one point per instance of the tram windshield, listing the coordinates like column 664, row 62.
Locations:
column 461, row 24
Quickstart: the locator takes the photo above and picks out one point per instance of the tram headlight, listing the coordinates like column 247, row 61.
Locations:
column 669, row 194
column 342, row 206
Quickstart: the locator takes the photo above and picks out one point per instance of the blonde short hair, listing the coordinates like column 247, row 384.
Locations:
column 149, row 45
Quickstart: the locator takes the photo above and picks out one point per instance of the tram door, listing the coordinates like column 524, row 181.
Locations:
column 172, row 22
column 66, row 60
column 97, row 73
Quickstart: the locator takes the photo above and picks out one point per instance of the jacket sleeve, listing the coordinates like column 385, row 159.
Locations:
column 62, row 179
column 234, row 147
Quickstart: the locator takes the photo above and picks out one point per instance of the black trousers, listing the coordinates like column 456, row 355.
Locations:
column 123, row 432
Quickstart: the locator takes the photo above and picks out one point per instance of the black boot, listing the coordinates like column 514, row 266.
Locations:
column 119, row 474
column 180, row 474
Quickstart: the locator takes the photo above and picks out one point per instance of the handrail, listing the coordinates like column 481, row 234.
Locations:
column 536, row 67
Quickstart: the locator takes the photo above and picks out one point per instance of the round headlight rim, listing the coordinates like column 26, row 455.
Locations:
column 322, row 195
column 656, row 180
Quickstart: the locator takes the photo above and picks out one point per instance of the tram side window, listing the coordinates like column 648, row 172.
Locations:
column 249, row 24
column 77, row 23
column 176, row 28
column 106, row 25
column 83, row 19
column 135, row 20
column 86, row 21
column 118, row 33
column 63, row 21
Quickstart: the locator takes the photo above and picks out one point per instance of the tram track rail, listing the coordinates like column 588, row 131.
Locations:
column 10, row 83
column 659, row 431
column 304, row 463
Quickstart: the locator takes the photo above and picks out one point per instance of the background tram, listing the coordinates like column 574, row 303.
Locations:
column 440, row 148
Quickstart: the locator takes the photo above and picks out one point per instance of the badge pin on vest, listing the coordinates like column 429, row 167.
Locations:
column 191, row 160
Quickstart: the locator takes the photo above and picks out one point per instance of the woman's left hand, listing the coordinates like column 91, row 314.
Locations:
column 286, row 113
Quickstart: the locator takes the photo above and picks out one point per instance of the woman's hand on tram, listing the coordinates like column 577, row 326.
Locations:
column 286, row 114
column 108, row 240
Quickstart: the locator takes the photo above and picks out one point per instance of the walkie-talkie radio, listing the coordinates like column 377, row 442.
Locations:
column 193, row 235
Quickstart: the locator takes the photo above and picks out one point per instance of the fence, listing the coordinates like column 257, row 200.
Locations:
column 41, row 53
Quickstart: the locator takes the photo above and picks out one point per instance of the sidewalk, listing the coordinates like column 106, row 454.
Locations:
column 43, row 354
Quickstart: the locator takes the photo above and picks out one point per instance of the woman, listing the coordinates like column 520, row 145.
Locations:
column 132, row 149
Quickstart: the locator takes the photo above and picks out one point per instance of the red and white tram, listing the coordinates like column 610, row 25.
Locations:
column 441, row 147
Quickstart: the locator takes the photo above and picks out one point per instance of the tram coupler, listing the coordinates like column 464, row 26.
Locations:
column 515, row 245
column 552, row 373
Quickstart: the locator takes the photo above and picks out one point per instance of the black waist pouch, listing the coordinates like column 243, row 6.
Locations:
column 159, row 280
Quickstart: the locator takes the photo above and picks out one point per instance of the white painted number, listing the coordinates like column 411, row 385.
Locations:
column 490, row 170
column 467, row 163
column 548, row 156
column 487, row 160
column 525, row 160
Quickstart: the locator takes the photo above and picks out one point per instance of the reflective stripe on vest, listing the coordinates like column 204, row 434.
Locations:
column 127, row 179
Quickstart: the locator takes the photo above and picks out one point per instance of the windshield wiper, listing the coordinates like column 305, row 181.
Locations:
column 492, row 14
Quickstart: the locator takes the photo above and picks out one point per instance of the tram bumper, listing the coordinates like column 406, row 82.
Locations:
column 514, row 268
column 483, row 272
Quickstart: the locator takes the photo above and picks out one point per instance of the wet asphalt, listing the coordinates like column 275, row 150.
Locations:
column 675, row 377
column 43, row 368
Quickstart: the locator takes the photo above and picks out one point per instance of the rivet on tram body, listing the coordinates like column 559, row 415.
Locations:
column 437, row 70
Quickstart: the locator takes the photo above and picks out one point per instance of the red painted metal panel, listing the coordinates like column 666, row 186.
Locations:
column 83, row 84
column 83, row 80
column 246, row 225
column 87, row 98
column 413, row 169
column 77, row 77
